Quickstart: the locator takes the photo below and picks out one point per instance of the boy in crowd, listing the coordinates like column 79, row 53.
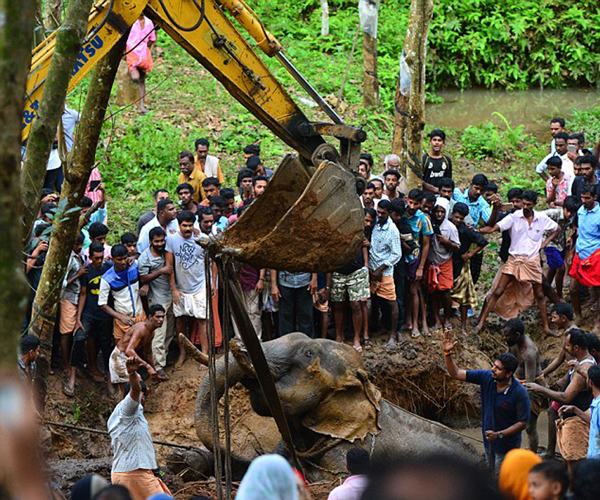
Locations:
column 94, row 326
column 422, row 230
column 185, row 193
column 98, row 233
column 244, row 185
column 548, row 481
column 212, row 187
column 436, row 165
column 130, row 241
column 463, row 289
column 556, row 250
column 489, row 191
column 558, row 186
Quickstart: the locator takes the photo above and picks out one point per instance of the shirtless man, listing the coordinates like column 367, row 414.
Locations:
column 139, row 337
column 528, row 370
column 562, row 319
column 574, row 390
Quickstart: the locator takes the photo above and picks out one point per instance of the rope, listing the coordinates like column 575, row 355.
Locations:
column 226, row 416
column 105, row 433
column 348, row 64
column 214, row 402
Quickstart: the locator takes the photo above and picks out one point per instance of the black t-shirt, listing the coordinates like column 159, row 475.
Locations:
column 35, row 274
column 436, row 168
column 577, row 187
column 467, row 236
column 91, row 281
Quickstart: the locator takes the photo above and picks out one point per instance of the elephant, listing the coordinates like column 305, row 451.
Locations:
column 330, row 404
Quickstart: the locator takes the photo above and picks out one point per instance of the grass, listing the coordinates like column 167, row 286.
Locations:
column 139, row 153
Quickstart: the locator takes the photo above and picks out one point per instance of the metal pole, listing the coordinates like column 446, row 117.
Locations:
column 309, row 88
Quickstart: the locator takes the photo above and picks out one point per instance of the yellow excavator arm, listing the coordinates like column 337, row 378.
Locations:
column 313, row 192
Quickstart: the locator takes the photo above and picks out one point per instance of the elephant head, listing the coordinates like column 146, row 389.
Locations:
column 322, row 385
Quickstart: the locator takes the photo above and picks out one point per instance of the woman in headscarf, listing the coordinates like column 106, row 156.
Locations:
column 515, row 468
column 269, row 477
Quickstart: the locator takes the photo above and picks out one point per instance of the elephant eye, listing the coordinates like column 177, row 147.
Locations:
column 308, row 353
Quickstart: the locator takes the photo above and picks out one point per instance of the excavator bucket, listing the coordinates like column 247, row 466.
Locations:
column 301, row 222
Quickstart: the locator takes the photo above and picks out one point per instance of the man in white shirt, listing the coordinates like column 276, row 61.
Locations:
column 134, row 455
column 526, row 228
column 357, row 464
column 166, row 214
column 560, row 142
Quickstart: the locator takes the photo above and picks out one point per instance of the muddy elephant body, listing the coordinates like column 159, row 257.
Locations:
column 330, row 405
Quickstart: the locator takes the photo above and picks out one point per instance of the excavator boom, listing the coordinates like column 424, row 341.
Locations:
column 298, row 193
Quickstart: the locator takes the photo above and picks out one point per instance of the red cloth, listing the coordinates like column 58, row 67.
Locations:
column 440, row 278
column 143, row 63
column 586, row 271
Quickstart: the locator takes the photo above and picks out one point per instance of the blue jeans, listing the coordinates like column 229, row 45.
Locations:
column 495, row 459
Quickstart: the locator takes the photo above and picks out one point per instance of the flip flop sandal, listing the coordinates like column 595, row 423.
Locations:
column 358, row 348
column 415, row 335
column 368, row 344
column 67, row 391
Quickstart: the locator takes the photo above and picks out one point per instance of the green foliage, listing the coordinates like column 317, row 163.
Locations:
column 143, row 154
column 486, row 140
column 588, row 122
column 515, row 44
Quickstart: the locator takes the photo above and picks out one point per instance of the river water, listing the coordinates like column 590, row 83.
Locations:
column 531, row 108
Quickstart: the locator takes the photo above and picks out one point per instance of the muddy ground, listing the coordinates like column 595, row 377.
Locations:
column 412, row 376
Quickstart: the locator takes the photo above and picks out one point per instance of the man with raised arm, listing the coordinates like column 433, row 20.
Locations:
column 505, row 407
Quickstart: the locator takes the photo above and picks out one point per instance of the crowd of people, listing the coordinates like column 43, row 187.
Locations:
column 422, row 255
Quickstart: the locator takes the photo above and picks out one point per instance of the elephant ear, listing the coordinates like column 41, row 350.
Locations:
column 349, row 412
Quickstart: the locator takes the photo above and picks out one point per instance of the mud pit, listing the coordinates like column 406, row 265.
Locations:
column 412, row 376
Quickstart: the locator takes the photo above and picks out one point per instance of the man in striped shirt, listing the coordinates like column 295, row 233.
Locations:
column 384, row 253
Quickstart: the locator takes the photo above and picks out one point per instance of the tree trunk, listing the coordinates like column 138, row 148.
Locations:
column 52, row 14
column 16, row 34
column 370, row 78
column 43, row 130
column 78, row 171
column 409, row 115
column 324, row 18
column 127, row 89
column 368, row 11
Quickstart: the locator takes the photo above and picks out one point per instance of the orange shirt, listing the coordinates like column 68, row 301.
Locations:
column 195, row 180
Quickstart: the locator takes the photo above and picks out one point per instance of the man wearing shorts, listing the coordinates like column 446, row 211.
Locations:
column 384, row 253
column 138, row 338
column 188, row 287
column 352, row 282
column 527, row 229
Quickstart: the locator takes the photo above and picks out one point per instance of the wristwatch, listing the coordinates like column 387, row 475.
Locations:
column 500, row 435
